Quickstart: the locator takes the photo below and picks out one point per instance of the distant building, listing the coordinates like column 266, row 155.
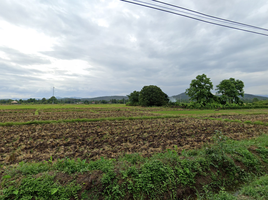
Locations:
column 14, row 102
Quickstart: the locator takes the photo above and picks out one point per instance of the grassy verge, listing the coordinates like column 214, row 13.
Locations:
column 256, row 189
column 55, row 106
column 169, row 175
column 219, row 112
column 236, row 120
column 85, row 120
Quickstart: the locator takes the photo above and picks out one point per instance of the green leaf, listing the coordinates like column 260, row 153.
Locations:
column 54, row 190
column 6, row 177
column 16, row 192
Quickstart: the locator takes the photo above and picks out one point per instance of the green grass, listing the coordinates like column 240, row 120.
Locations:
column 235, row 120
column 256, row 189
column 203, row 112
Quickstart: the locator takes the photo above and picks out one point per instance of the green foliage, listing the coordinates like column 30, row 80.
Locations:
column 134, row 158
column 263, row 153
column 255, row 100
column 133, row 98
column 32, row 168
column 257, row 189
column 231, row 89
column 261, row 103
column 222, row 195
column 70, row 166
column 42, row 187
column 152, row 96
column 200, row 90
column 153, row 179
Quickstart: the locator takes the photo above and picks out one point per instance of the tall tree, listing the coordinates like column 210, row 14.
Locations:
column 231, row 89
column 152, row 96
column 200, row 90
column 52, row 100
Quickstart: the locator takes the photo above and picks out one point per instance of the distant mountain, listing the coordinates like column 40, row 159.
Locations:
column 181, row 96
column 107, row 98
column 247, row 97
column 251, row 97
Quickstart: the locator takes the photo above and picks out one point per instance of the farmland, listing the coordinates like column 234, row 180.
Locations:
column 117, row 131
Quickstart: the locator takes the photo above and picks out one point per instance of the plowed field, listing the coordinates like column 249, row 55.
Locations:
column 63, row 114
column 17, row 112
column 113, row 138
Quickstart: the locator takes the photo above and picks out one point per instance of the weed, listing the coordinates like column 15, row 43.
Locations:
column 43, row 187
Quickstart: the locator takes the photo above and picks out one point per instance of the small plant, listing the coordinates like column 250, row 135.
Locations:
column 43, row 187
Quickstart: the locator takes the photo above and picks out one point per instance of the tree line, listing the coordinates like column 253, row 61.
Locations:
column 229, row 91
column 54, row 100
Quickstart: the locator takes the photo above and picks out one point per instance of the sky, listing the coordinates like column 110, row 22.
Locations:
column 91, row 48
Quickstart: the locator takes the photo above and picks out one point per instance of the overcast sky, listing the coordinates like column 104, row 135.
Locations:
column 91, row 48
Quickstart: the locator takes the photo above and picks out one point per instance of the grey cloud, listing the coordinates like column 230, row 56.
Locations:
column 23, row 59
column 16, row 70
column 169, row 50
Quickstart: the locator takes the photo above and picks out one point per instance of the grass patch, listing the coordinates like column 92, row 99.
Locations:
column 234, row 120
column 258, row 189
column 220, row 112
column 85, row 120
column 42, row 187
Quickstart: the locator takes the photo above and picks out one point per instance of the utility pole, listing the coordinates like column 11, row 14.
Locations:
column 53, row 95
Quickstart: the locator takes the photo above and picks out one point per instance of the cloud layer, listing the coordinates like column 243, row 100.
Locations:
column 100, row 47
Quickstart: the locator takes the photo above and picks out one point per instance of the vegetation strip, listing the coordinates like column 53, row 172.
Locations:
column 238, row 121
column 87, row 120
column 226, row 163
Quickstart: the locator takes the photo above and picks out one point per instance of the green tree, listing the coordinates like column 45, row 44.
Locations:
column 52, row 100
column 113, row 100
column 44, row 101
column 200, row 90
column 152, row 96
column 133, row 98
column 255, row 100
column 103, row 101
column 230, row 90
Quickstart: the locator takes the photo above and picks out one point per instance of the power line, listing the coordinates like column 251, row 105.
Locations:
column 160, row 8
column 200, row 13
column 191, row 13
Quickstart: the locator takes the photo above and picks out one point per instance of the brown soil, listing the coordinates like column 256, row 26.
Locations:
column 92, row 140
column 64, row 114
